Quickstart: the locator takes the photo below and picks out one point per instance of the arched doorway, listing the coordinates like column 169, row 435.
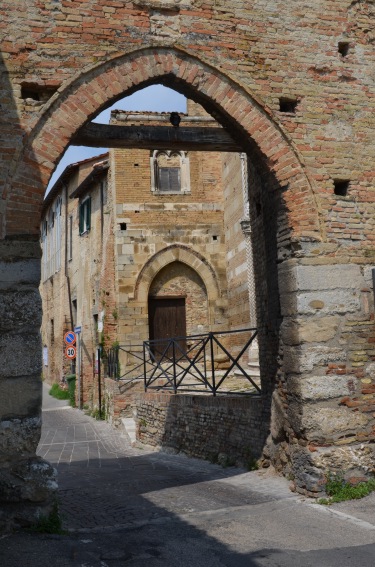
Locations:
column 283, row 195
column 177, row 304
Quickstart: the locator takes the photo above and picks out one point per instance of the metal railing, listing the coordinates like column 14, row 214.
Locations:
column 211, row 363
column 125, row 363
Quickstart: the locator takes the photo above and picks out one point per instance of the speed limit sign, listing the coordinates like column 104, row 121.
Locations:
column 71, row 351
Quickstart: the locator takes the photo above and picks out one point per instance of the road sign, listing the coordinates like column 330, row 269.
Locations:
column 70, row 338
column 70, row 352
column 77, row 330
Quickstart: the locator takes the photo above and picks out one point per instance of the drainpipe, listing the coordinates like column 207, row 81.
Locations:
column 73, row 363
column 66, row 256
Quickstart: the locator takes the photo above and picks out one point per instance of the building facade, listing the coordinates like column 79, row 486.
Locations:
column 139, row 245
column 295, row 87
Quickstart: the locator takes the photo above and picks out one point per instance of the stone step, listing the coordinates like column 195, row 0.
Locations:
column 130, row 428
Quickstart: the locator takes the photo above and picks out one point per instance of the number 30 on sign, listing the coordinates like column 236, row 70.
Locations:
column 70, row 352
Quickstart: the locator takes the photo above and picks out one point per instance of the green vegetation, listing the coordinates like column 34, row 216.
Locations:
column 50, row 524
column 59, row 393
column 339, row 490
column 96, row 414
column 71, row 379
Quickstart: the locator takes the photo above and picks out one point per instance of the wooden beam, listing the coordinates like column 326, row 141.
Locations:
column 183, row 138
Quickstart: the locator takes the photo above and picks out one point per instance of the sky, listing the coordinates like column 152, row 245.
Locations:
column 155, row 98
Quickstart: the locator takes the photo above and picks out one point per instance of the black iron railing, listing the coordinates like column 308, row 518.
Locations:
column 211, row 363
column 125, row 363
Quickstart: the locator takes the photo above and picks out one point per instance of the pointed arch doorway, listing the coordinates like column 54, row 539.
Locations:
column 167, row 320
column 177, row 307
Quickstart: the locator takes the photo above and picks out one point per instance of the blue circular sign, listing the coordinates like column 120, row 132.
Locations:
column 70, row 338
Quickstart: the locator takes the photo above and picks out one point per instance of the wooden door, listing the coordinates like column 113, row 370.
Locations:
column 167, row 320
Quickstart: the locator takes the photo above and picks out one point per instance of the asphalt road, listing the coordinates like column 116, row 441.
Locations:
column 123, row 506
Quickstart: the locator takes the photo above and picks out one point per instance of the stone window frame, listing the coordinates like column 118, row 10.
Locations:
column 184, row 172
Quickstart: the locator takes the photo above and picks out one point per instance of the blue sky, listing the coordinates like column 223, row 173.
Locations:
column 157, row 98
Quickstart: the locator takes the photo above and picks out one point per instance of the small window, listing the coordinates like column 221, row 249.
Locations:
column 85, row 216
column 170, row 172
column 169, row 179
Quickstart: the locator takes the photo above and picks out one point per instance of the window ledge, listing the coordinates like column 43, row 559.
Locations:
column 156, row 192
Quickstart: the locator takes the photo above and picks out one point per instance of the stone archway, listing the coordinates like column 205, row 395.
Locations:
column 96, row 88
column 177, row 253
column 215, row 291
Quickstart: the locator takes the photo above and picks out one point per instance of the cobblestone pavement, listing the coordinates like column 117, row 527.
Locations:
column 104, row 482
column 124, row 507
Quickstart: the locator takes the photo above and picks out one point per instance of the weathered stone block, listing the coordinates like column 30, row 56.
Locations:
column 321, row 387
column 345, row 459
column 30, row 480
column 322, row 423
column 20, row 309
column 19, row 273
column 322, row 302
column 20, row 354
column 11, row 250
column 293, row 277
column 304, row 358
column 309, row 330
column 20, row 397
column 19, row 437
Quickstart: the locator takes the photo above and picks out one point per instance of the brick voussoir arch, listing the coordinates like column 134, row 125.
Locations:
column 176, row 253
column 101, row 86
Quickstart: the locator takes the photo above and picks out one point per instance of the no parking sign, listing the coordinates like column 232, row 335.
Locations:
column 70, row 338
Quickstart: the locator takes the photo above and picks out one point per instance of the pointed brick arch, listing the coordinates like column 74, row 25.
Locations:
column 99, row 87
column 177, row 253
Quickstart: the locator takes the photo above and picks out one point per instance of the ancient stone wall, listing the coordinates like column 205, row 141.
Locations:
column 227, row 430
column 24, row 477
column 295, row 87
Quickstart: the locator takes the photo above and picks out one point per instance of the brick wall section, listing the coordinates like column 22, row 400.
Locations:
column 151, row 223
column 230, row 430
column 239, row 58
column 118, row 401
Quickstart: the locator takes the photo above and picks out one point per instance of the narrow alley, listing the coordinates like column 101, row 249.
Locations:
column 124, row 506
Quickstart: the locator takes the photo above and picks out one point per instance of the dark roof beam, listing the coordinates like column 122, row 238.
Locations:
column 185, row 138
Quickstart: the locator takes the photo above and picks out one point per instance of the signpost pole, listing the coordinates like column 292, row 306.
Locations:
column 77, row 331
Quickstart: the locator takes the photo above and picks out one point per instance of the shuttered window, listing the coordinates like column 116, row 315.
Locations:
column 85, row 216
column 169, row 179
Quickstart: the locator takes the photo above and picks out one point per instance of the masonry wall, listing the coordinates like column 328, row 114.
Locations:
column 226, row 430
column 296, row 88
column 234, row 212
column 149, row 223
